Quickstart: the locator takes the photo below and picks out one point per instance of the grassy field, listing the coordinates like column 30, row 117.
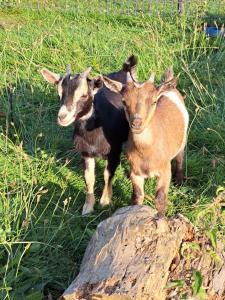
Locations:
column 42, row 233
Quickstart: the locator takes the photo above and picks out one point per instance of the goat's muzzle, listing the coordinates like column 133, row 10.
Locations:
column 61, row 117
column 136, row 122
column 65, row 119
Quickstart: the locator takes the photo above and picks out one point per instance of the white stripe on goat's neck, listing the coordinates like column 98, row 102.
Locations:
column 176, row 99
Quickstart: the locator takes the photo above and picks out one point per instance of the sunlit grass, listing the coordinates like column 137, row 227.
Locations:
column 42, row 233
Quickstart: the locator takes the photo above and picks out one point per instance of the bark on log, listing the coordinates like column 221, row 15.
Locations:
column 133, row 255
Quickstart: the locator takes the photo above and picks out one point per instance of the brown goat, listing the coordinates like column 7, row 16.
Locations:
column 158, row 122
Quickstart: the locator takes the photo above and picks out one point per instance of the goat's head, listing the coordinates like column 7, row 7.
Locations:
column 140, row 99
column 76, row 93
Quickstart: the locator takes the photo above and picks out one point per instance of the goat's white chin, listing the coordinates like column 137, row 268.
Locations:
column 66, row 123
column 137, row 131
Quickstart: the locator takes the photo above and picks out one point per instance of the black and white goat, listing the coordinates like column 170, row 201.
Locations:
column 100, row 123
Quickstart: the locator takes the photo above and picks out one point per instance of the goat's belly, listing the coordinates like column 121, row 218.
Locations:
column 145, row 171
column 142, row 166
column 92, row 148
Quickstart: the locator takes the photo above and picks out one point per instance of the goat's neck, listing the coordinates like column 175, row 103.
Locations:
column 91, row 121
column 88, row 109
column 142, row 140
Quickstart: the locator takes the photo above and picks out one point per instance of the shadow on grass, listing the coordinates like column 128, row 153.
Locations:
column 58, row 232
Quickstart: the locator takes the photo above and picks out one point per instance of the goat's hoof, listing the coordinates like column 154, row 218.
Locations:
column 89, row 204
column 160, row 215
column 87, row 209
column 105, row 202
column 179, row 179
column 137, row 201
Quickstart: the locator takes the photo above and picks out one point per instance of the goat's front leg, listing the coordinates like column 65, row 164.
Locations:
column 112, row 163
column 138, row 188
column 89, row 176
column 162, row 189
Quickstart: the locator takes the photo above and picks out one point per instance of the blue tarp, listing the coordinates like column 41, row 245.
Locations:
column 213, row 32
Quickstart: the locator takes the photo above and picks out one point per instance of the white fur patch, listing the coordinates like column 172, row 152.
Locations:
column 175, row 98
column 144, row 137
column 107, row 191
column 60, row 89
column 69, row 116
column 63, row 110
column 89, row 174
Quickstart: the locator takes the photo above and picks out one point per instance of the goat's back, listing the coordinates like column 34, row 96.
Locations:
column 169, row 124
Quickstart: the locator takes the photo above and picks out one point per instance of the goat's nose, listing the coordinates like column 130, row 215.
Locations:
column 136, row 122
column 62, row 116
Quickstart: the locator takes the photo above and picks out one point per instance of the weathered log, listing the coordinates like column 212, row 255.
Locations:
column 134, row 255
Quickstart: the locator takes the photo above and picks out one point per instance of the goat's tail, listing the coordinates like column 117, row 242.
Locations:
column 130, row 64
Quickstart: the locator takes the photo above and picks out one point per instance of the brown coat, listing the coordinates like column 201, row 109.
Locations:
column 158, row 122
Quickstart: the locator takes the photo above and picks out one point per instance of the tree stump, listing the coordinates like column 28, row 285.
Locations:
column 134, row 255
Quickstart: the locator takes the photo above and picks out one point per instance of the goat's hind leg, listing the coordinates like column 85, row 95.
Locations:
column 89, row 176
column 179, row 176
column 112, row 163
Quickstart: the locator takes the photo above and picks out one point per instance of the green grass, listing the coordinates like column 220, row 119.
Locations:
column 42, row 233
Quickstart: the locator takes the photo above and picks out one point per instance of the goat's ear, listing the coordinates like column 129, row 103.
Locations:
column 167, row 75
column 49, row 76
column 97, row 83
column 112, row 85
column 167, row 86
